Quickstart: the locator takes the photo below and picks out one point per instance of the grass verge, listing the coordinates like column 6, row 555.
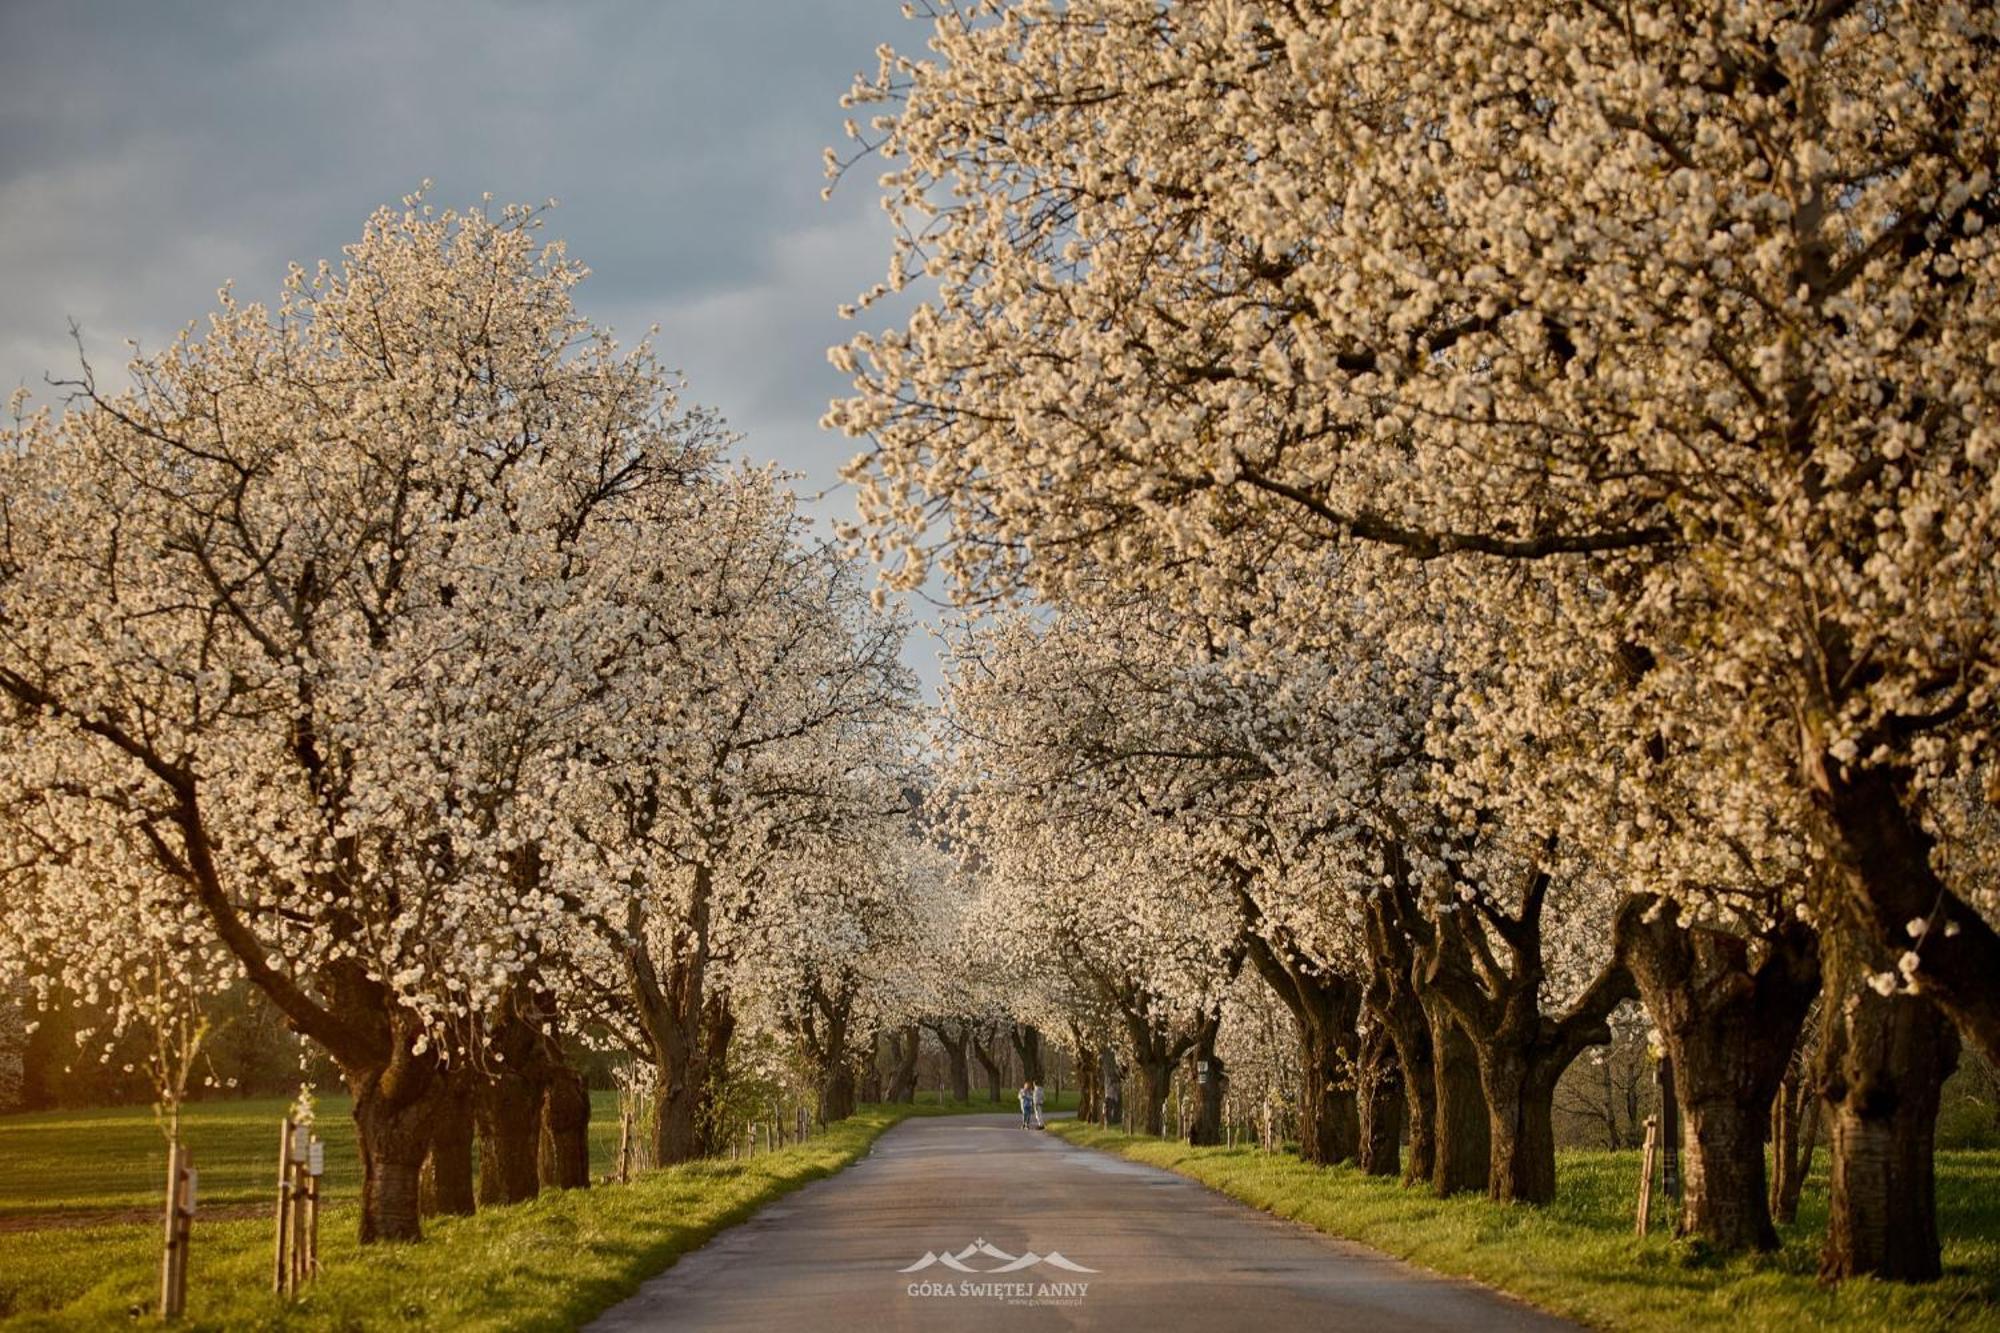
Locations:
column 1578, row 1256
column 548, row 1264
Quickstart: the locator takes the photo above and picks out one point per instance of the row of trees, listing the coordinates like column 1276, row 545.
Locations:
column 1513, row 495
column 410, row 650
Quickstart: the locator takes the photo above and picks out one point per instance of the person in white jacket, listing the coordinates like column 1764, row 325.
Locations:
column 1037, row 1095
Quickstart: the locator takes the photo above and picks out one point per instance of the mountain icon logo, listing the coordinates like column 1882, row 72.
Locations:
column 961, row 1261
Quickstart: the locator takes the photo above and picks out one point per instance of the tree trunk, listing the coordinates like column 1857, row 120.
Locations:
column 671, row 1008
column 1521, row 1142
column 1329, row 1115
column 1156, row 1079
column 870, row 1090
column 1087, row 1079
column 394, row 1110
column 1613, row 1131
column 565, row 1137
column 1795, row 1116
column 1381, row 1098
column 991, row 1067
column 1209, row 1080
column 836, row 1065
column 676, row 1120
column 718, row 1030
column 1392, row 998
column 961, row 1069
column 1461, row 1125
column 1884, row 1062
column 1111, row 1105
column 1728, row 1029
column 905, row 1044
column 445, row 1185
column 1324, row 1005
column 506, row 1108
column 1882, row 879
column 836, row 1097
column 1028, row 1045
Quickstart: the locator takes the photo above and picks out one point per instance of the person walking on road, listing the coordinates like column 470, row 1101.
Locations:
column 1027, row 1105
column 1035, row 1095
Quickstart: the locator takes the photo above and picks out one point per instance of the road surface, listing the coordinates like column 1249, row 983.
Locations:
column 862, row 1250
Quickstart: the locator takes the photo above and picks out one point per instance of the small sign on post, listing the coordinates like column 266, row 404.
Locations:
column 315, row 1168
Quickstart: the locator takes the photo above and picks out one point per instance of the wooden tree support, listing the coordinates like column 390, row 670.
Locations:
column 623, row 1173
column 1646, row 1174
column 301, row 1163
column 179, row 1231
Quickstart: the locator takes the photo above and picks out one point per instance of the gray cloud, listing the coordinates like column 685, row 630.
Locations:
column 150, row 152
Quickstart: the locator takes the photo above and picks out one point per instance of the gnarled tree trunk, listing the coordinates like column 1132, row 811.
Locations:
column 1209, row 1081
column 718, row 1031
column 1324, row 1005
column 565, row 1138
column 445, row 1185
column 871, row 1073
column 983, row 1052
column 1460, row 1123
column 1028, row 1045
column 506, row 1108
column 1728, row 1026
column 1883, row 1063
column 1156, row 1081
column 1381, row 1098
column 1521, row 1052
column 905, row 1044
column 1392, row 999
column 955, row 1038
column 395, row 1107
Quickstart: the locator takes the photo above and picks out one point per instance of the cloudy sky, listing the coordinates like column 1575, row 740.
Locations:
column 149, row 152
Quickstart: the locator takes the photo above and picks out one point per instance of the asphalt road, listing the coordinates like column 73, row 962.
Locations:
column 1163, row 1253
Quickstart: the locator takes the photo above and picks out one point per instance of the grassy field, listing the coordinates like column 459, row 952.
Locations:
column 56, row 1162
column 1578, row 1257
column 548, row 1264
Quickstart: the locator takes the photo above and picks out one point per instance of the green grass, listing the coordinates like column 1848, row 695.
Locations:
column 548, row 1264
column 54, row 1162
column 84, row 1161
column 1578, row 1257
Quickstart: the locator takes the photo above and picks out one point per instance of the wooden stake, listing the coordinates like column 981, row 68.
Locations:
column 279, row 1266
column 624, row 1169
column 1646, row 1173
column 173, row 1269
